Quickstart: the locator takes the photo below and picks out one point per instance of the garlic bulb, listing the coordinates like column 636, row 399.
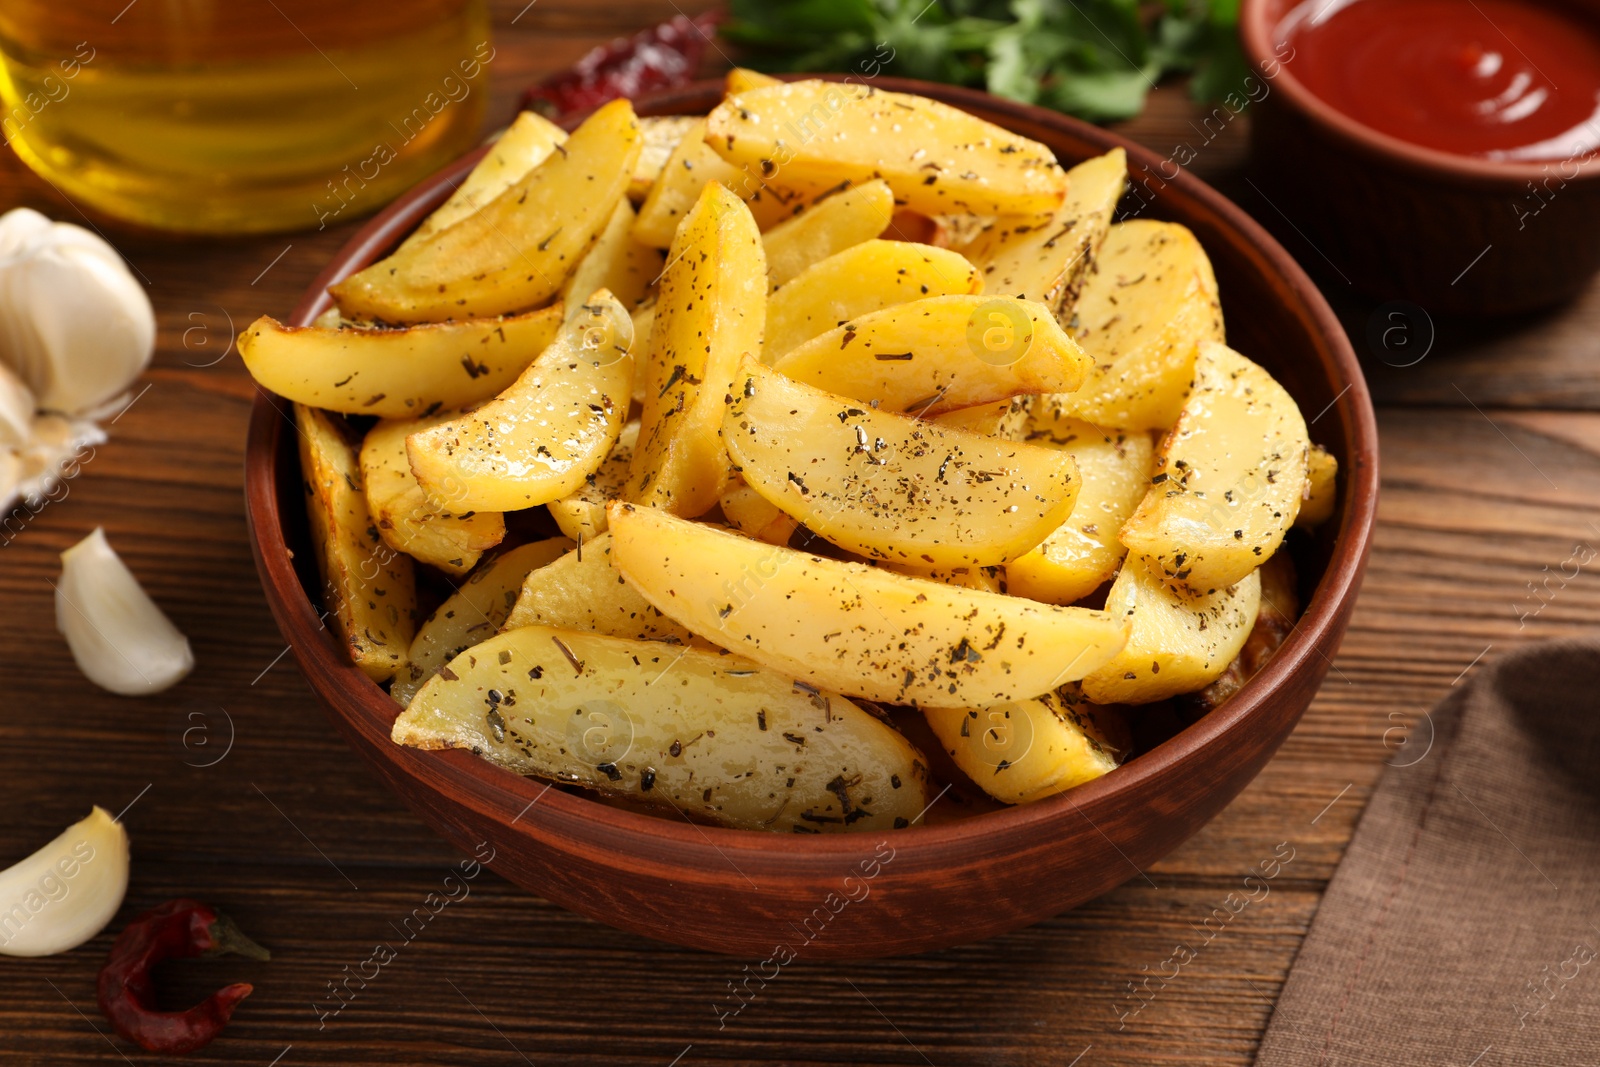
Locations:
column 66, row 892
column 75, row 324
column 120, row 639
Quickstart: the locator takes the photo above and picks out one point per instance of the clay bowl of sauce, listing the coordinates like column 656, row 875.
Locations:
column 1445, row 152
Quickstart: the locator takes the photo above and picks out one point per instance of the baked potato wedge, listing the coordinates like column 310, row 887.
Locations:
column 1046, row 259
column 988, row 579
column 583, row 514
column 526, row 143
column 1006, row 419
column 582, row 591
column 937, row 159
column 846, row 218
column 1144, row 309
column 711, row 310
column 1083, row 553
column 683, row 178
column 754, row 516
column 515, row 251
column 888, row 486
column 863, row 278
column 941, row 353
column 712, row 735
column 473, row 613
column 853, row 628
column 1228, row 478
column 659, row 137
column 368, row 589
column 541, row 438
column 1178, row 643
column 406, row 520
column 1029, row 749
column 616, row 263
column 740, row 79
column 1321, row 494
column 395, row 374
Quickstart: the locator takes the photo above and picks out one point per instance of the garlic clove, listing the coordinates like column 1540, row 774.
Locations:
column 65, row 893
column 75, row 324
column 120, row 639
column 16, row 409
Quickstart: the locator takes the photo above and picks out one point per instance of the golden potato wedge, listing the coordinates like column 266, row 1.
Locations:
column 988, row 579
column 582, row 591
column 369, row 589
column 846, row 218
column 712, row 735
column 936, row 158
column 941, row 353
column 1083, row 553
column 888, row 486
column 395, row 374
column 1006, row 419
column 711, row 310
column 1149, row 301
column 1028, row 749
column 1228, row 477
column 525, row 144
column 854, row 628
column 684, row 176
column 473, row 613
column 864, row 278
column 754, row 516
column 583, row 514
column 659, row 137
column 1280, row 612
column 1046, row 259
column 541, row 438
column 740, row 79
column 451, row 541
column 1321, row 493
column 616, row 263
column 515, row 251
column 1178, row 643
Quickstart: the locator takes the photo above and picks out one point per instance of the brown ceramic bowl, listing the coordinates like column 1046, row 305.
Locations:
column 1451, row 233
column 747, row 893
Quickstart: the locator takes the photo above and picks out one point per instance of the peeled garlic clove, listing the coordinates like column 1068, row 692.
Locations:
column 121, row 640
column 66, row 892
column 75, row 324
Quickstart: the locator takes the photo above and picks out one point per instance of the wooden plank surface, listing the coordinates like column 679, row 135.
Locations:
column 241, row 794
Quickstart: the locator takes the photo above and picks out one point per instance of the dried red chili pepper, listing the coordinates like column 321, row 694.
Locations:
column 663, row 57
column 177, row 929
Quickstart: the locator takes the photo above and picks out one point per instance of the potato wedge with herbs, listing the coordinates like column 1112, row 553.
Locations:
column 368, row 588
column 937, row 158
column 988, row 579
column 659, row 137
column 1150, row 300
column 1228, row 478
column 616, row 263
column 1178, row 643
column 1321, row 493
column 711, row 311
column 892, row 487
column 1006, row 419
column 1083, row 553
column 864, row 278
column 527, row 142
column 515, row 251
column 853, row 628
column 1030, row 749
column 582, row 515
column 710, row 734
column 395, row 374
column 582, row 591
column 1047, row 259
column 739, row 79
column 755, row 516
column 840, row 221
column 473, row 613
column 542, row 437
column 406, row 520
column 942, row 353
column 685, row 174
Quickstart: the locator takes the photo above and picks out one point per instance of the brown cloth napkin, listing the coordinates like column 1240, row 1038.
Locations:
column 1463, row 925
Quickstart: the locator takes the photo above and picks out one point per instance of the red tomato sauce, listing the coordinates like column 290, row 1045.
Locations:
column 1496, row 79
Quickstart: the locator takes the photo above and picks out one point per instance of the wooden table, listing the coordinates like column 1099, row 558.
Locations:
column 1491, row 462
